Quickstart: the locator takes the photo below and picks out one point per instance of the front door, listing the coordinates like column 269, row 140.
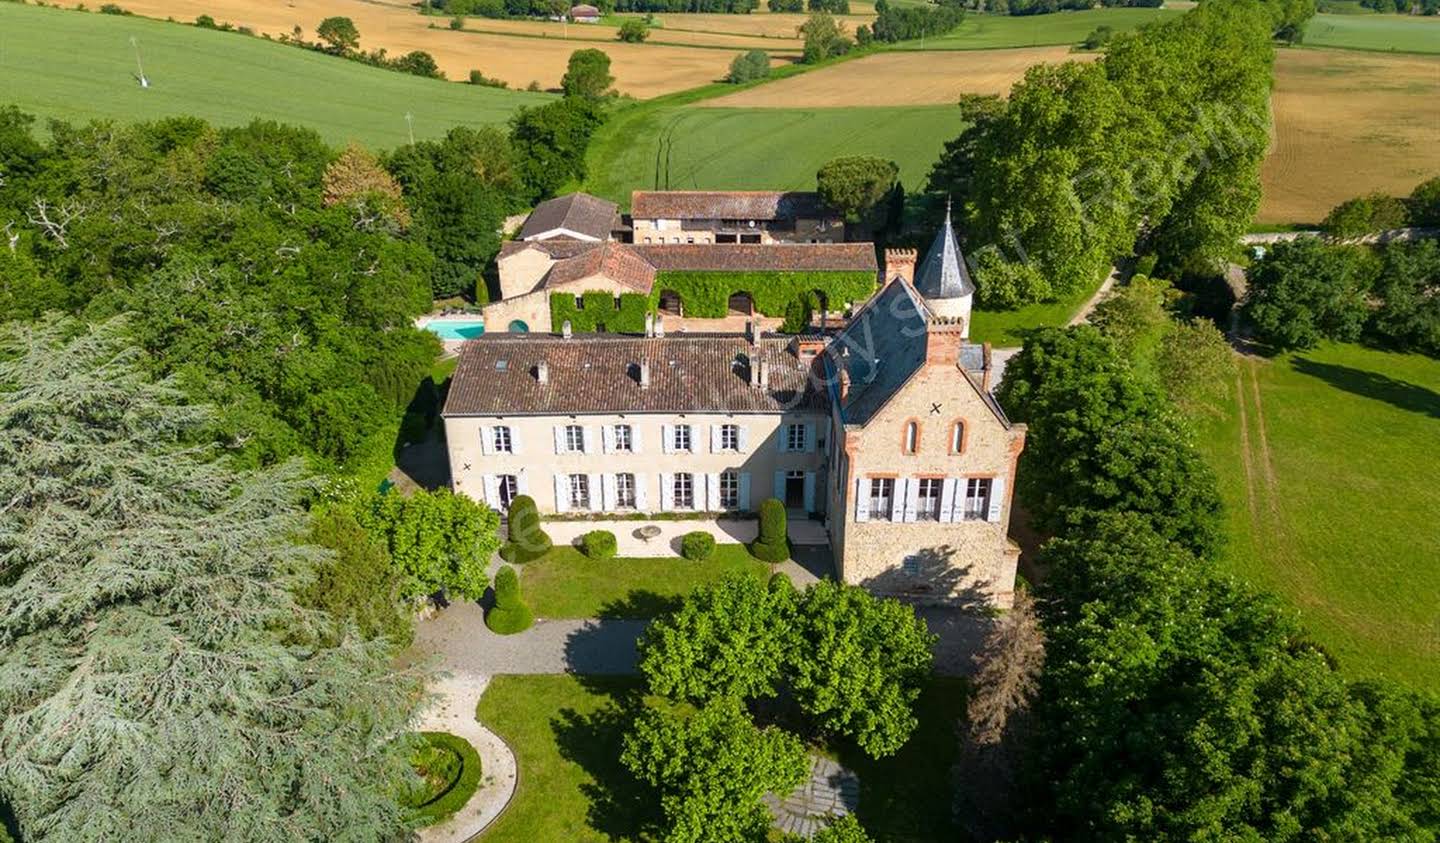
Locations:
column 794, row 490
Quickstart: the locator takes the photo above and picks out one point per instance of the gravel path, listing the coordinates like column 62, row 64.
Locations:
column 454, row 712
column 459, row 636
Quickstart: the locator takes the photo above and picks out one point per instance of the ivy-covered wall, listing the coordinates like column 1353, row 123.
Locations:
column 600, row 309
column 707, row 294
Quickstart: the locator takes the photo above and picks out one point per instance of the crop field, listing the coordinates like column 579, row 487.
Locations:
column 1327, row 463
column 76, row 66
column 902, row 78
column 691, row 147
column 1348, row 123
column 988, row 32
column 606, row 34
column 1394, row 33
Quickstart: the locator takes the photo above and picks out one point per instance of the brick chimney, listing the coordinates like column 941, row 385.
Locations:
column 565, row 329
column 644, row 374
column 659, row 326
column 844, row 386
column 649, row 324
column 985, row 377
column 900, row 263
column 542, row 372
column 943, row 338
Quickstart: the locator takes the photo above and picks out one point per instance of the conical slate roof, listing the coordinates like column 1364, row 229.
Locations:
column 943, row 274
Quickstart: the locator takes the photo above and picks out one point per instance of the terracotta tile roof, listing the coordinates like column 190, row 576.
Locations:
column 613, row 260
column 577, row 212
column 726, row 204
column 689, row 373
column 778, row 257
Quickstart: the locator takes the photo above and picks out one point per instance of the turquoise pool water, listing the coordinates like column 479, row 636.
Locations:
column 456, row 329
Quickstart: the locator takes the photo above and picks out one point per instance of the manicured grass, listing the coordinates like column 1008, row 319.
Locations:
column 78, row 67
column 693, row 147
column 1008, row 327
column 450, row 767
column 566, row 733
column 567, row 584
column 987, row 32
column 1327, row 462
column 1397, row 33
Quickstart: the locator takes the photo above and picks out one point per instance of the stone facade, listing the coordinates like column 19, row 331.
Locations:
column 674, row 231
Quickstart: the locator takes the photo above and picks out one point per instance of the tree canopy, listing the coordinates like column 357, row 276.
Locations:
column 588, row 75
column 858, row 186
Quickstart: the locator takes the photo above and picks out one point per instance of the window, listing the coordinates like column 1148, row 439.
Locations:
column 882, row 496
column 689, row 239
column 957, row 438
column 928, row 508
column 681, row 440
column 729, row 437
column 501, row 441
column 912, row 437
column 624, row 442
column 509, row 488
column 684, row 487
column 579, row 302
column 579, row 491
column 795, row 437
column 617, row 301
column 729, row 490
column 574, row 439
column 624, row 491
column 977, row 498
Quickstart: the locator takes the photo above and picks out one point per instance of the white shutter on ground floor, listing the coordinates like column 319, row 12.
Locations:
column 712, row 492
column 912, row 498
column 492, row 491
column 744, row 490
column 667, row 494
column 607, row 493
column 947, row 499
column 862, row 499
column 592, row 485
column 997, row 499
column 562, row 492
column 642, row 499
column 897, row 500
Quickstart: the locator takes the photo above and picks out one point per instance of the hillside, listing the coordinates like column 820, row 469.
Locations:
column 78, row 67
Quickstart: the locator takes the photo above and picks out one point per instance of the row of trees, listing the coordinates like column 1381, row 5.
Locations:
column 1174, row 702
column 905, row 23
column 1161, row 140
column 1377, row 212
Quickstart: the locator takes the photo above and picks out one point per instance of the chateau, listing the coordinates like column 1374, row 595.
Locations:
column 882, row 425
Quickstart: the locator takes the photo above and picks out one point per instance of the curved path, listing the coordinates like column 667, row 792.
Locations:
column 454, row 712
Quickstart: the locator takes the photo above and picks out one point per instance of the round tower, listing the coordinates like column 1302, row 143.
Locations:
column 943, row 278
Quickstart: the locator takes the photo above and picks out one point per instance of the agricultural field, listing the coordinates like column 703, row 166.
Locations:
column 1327, row 462
column 1388, row 33
column 606, row 34
column 225, row 78
column 1347, row 123
column 989, row 32
column 902, row 78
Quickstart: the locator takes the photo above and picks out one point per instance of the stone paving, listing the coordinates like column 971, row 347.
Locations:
column 458, row 635
column 453, row 711
column 832, row 791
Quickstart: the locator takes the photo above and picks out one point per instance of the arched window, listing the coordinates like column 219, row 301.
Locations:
column 912, row 437
column 957, row 437
column 519, row 327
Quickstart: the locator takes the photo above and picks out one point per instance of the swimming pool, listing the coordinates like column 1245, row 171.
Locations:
column 456, row 329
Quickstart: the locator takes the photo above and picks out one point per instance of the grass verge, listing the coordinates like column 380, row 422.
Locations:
column 566, row 583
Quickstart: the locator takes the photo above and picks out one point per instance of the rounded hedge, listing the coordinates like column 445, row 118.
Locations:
column 697, row 546
column 509, row 615
column 598, row 544
column 460, row 775
column 772, row 545
column 527, row 541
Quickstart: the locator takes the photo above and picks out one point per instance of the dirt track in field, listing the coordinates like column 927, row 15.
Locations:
column 1347, row 123
column 902, row 78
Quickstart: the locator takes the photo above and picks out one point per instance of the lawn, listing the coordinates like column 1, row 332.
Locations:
column 78, row 67
column 693, row 147
column 987, row 32
column 1008, row 327
column 1396, row 33
column 1327, row 462
column 566, row 734
column 566, row 583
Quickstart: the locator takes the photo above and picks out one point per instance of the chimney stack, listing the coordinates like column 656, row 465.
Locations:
column 900, row 263
column 750, row 331
column 565, row 329
column 644, row 374
column 943, row 338
column 985, row 378
column 844, row 386
column 649, row 324
column 542, row 372
column 659, row 326
column 764, row 375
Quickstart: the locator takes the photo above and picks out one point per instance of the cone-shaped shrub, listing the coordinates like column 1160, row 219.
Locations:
column 527, row 541
column 510, row 614
column 772, row 545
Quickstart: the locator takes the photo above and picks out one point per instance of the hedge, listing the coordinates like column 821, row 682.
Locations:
column 509, row 615
column 697, row 546
column 599, row 309
column 707, row 294
column 598, row 544
column 453, row 798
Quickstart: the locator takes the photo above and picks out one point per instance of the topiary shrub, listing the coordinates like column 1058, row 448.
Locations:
column 510, row 614
column 598, row 544
column 772, row 545
column 697, row 546
column 527, row 541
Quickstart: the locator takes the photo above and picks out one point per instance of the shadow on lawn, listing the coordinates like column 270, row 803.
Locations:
column 1397, row 393
column 640, row 603
column 621, row 807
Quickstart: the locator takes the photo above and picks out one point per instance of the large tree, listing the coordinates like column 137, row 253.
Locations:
column 587, row 75
column 158, row 680
column 860, row 187
column 1306, row 290
column 340, row 33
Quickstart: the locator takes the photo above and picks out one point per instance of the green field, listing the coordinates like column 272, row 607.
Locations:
column 758, row 148
column 1328, row 463
column 1393, row 33
column 78, row 67
column 989, row 32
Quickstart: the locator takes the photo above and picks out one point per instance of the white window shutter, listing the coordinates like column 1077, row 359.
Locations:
column 712, row 492
column 947, row 499
column 667, row 438
column 667, row 494
column 744, row 439
column 997, row 499
column 522, row 483
column 514, row 440
column 912, row 499
column 635, row 438
column 714, row 438
column 607, row 492
column 492, row 491
column 587, row 439
column 607, row 438
column 559, row 438
column 862, row 499
column 809, row 491
column 592, row 484
column 897, row 501
column 809, row 438
column 562, row 492
column 778, row 492
column 745, row 489
column 487, row 440
column 642, row 500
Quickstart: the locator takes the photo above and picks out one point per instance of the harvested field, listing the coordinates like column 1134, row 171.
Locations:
column 607, row 34
column 760, row 24
column 1348, row 123
column 902, row 78
column 641, row 70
